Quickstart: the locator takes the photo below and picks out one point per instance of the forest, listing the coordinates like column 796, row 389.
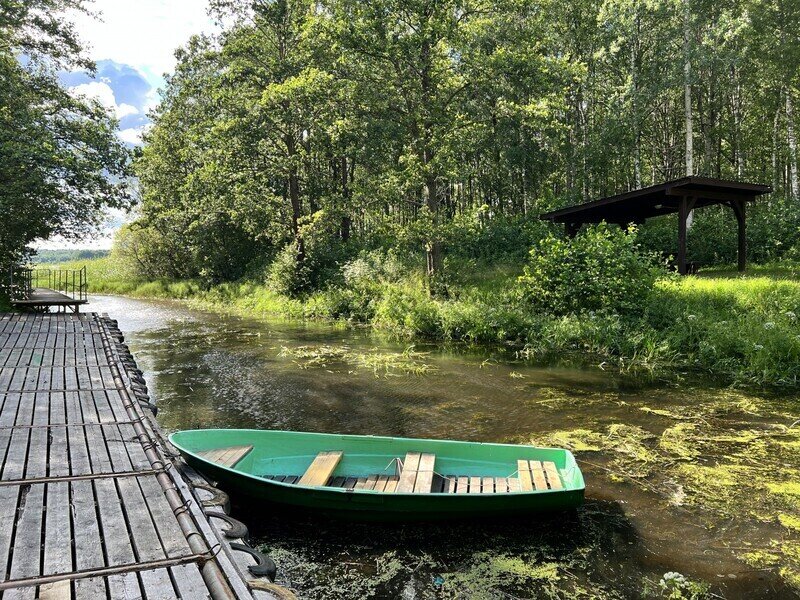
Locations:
column 306, row 132
column 386, row 163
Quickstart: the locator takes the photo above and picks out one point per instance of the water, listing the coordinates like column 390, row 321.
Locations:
column 682, row 474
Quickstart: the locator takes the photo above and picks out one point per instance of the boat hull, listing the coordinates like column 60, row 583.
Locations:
column 291, row 452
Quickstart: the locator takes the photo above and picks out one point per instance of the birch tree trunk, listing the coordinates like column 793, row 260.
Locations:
column 687, row 88
column 792, row 145
column 775, row 178
column 637, row 152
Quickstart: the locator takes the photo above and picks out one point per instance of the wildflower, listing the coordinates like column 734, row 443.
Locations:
column 790, row 315
column 691, row 317
column 769, row 325
column 758, row 347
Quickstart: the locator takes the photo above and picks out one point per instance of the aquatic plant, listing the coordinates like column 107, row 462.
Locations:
column 408, row 362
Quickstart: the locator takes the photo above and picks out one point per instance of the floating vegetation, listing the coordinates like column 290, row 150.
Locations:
column 732, row 469
column 408, row 362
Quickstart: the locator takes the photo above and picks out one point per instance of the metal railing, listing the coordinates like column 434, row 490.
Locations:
column 70, row 282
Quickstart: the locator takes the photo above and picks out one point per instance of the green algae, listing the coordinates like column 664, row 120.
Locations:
column 408, row 362
column 732, row 470
column 489, row 574
column 790, row 521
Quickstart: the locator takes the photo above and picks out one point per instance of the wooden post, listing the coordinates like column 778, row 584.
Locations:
column 571, row 229
column 683, row 213
column 739, row 210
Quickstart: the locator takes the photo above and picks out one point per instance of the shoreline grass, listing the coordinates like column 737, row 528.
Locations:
column 742, row 329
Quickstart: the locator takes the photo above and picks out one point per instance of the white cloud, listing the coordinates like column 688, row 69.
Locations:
column 123, row 110
column 98, row 90
column 103, row 93
column 133, row 135
column 144, row 33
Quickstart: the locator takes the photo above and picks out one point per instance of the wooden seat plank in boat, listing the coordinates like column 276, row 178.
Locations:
column 463, row 485
column 525, row 478
column 320, row 469
column 408, row 476
column 424, row 482
column 228, row 456
column 552, row 476
column 513, row 484
column 417, row 474
column 539, row 480
column 488, row 485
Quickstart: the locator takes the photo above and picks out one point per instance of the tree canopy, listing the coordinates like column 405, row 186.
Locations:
column 310, row 127
column 61, row 162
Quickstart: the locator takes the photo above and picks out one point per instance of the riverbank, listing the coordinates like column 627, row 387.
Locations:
column 742, row 329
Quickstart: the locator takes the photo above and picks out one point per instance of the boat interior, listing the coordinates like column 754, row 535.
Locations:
column 414, row 474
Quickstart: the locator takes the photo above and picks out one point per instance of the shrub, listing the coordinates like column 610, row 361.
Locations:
column 601, row 269
column 285, row 275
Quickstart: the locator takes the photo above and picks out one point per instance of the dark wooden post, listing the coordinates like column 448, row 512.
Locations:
column 739, row 210
column 683, row 213
column 571, row 229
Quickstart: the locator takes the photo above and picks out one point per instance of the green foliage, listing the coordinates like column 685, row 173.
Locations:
column 601, row 269
column 60, row 256
column 61, row 162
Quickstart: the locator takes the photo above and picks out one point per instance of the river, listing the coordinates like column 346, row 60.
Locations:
column 683, row 475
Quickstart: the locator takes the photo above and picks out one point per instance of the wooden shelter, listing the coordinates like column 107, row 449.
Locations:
column 679, row 196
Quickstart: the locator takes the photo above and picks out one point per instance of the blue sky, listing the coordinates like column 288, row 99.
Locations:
column 133, row 43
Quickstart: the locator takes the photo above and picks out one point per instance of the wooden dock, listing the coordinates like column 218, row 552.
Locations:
column 92, row 502
column 45, row 298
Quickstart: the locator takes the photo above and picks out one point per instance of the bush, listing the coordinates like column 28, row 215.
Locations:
column 325, row 252
column 601, row 269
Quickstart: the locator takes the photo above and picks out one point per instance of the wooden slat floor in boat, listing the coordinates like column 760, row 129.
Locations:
column 77, row 489
column 447, row 484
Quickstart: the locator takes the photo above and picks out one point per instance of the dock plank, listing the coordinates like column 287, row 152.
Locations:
column 64, row 415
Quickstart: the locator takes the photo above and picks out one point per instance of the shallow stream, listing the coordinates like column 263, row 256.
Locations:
column 684, row 475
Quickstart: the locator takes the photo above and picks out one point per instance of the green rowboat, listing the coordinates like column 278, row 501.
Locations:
column 384, row 478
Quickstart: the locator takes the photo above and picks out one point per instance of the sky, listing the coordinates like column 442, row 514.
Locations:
column 133, row 43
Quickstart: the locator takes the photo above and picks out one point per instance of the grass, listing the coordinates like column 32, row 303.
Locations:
column 744, row 329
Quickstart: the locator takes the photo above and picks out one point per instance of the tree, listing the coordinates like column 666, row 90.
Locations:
column 61, row 163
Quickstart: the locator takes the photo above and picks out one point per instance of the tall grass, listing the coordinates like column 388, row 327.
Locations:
column 745, row 329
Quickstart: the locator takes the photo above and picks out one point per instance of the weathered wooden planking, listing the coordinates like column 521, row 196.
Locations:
column 26, row 553
column 424, row 481
column 537, row 472
column 408, row 476
column 474, row 485
column 321, row 469
column 47, row 429
column 525, row 477
column 551, row 472
column 227, row 457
